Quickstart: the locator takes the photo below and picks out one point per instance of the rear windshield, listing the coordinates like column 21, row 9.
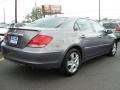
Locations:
column 53, row 22
column 110, row 25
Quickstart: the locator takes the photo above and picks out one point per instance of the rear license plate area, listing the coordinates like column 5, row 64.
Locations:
column 14, row 40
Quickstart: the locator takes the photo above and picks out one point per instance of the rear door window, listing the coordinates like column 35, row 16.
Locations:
column 97, row 27
column 83, row 25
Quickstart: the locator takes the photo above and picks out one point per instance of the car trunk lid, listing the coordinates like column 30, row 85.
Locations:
column 20, row 37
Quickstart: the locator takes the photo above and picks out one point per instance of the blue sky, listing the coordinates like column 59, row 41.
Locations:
column 82, row 8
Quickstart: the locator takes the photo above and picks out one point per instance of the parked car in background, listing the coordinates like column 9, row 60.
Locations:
column 58, row 42
column 17, row 25
column 3, row 30
column 115, row 27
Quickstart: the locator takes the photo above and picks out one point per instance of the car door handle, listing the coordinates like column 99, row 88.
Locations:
column 82, row 36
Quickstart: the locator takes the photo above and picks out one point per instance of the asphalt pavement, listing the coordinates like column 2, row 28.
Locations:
column 101, row 73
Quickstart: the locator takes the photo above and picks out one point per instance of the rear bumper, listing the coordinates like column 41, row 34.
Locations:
column 43, row 60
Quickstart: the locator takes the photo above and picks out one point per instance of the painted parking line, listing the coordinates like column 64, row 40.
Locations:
column 1, row 59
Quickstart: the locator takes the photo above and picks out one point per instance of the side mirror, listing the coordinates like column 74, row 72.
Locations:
column 109, row 31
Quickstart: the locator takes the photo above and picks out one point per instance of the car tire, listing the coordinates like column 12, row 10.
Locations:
column 71, row 62
column 113, row 50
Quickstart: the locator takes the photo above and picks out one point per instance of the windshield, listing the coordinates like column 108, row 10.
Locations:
column 110, row 25
column 53, row 22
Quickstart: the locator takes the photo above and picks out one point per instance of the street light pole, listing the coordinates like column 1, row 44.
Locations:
column 15, row 11
column 4, row 14
column 99, row 10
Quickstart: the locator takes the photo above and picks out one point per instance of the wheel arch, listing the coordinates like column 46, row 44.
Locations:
column 116, row 41
column 75, row 47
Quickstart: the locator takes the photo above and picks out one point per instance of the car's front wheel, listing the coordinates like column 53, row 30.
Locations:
column 71, row 62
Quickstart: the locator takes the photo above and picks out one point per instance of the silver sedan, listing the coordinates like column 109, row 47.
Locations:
column 58, row 42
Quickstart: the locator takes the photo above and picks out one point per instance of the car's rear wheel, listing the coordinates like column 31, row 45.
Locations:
column 71, row 62
column 113, row 50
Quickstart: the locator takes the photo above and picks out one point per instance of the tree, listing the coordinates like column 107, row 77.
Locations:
column 27, row 19
column 34, row 15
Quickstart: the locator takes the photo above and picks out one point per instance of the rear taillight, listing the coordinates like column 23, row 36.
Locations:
column 40, row 41
column 117, row 30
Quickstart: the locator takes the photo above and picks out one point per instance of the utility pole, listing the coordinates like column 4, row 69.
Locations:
column 4, row 15
column 15, row 11
column 99, row 10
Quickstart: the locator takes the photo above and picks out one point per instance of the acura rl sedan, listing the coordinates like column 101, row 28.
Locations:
column 58, row 42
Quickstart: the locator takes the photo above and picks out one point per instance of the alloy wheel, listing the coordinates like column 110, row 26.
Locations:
column 73, row 62
column 114, row 49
